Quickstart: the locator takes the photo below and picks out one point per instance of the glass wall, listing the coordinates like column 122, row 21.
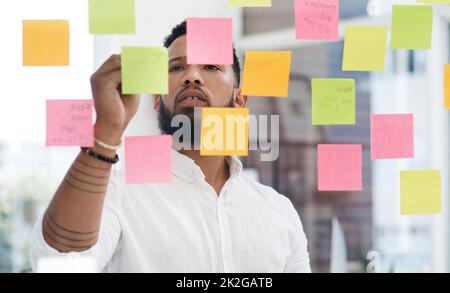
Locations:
column 370, row 219
column 30, row 172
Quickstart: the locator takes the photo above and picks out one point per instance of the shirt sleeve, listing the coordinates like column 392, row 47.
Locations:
column 298, row 261
column 106, row 245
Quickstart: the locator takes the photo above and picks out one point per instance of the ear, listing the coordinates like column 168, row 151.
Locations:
column 157, row 102
column 240, row 101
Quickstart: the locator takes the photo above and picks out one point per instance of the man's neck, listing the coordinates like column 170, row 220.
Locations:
column 215, row 168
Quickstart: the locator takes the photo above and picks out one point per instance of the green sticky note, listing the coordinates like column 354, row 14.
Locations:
column 434, row 1
column 412, row 27
column 420, row 192
column 109, row 17
column 145, row 70
column 365, row 48
column 333, row 101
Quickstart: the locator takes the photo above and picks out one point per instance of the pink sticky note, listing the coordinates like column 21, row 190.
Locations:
column 209, row 41
column 317, row 20
column 69, row 123
column 392, row 136
column 148, row 159
column 339, row 167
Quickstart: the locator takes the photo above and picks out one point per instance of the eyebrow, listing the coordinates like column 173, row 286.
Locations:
column 177, row 59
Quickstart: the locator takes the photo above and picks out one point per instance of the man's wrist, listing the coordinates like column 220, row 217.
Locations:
column 109, row 135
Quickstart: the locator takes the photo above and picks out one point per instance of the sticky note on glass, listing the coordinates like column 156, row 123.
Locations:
column 392, row 136
column 148, row 159
column 420, row 192
column 434, row 1
column 69, row 123
column 412, row 27
column 249, row 3
column 266, row 73
column 447, row 86
column 339, row 167
column 365, row 48
column 46, row 43
column 224, row 132
column 317, row 20
column 108, row 17
column 145, row 70
column 333, row 102
column 209, row 41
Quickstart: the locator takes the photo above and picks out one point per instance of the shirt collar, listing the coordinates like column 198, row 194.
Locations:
column 186, row 168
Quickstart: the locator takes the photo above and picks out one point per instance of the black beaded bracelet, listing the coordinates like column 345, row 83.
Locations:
column 100, row 156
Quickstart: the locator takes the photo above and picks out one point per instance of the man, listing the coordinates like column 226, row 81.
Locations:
column 210, row 218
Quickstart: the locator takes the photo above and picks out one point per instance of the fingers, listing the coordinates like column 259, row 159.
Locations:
column 114, row 77
column 113, row 63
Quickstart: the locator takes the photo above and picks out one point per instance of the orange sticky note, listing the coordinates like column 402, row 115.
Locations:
column 224, row 132
column 45, row 43
column 447, row 85
column 266, row 73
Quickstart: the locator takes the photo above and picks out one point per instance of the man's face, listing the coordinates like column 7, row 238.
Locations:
column 192, row 86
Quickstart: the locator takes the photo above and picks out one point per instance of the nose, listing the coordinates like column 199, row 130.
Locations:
column 188, row 82
column 192, row 77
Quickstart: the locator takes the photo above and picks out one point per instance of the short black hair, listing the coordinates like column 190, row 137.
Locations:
column 180, row 30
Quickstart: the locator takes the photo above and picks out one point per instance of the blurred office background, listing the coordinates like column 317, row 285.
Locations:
column 370, row 220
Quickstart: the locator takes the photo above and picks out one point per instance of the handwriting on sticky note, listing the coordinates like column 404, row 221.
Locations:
column 339, row 167
column 317, row 20
column 148, row 159
column 224, row 132
column 145, row 70
column 333, row 102
column 420, row 192
column 392, row 136
column 108, row 17
column 209, row 41
column 266, row 73
column 45, row 43
column 69, row 123
column 365, row 48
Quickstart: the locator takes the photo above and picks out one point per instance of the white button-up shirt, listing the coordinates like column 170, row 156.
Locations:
column 185, row 227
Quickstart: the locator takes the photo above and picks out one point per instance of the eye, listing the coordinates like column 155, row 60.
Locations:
column 175, row 68
column 212, row 67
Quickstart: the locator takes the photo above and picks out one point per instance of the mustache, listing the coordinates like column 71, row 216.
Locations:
column 190, row 87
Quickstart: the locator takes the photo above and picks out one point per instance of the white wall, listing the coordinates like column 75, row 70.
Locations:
column 25, row 89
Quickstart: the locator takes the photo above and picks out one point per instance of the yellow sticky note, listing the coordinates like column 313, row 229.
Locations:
column 45, row 43
column 112, row 17
column 145, row 70
column 266, row 73
column 412, row 27
column 434, row 1
column 447, row 86
column 420, row 192
column 249, row 3
column 224, row 132
column 365, row 48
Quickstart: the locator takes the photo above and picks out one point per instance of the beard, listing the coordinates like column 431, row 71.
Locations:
column 165, row 117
